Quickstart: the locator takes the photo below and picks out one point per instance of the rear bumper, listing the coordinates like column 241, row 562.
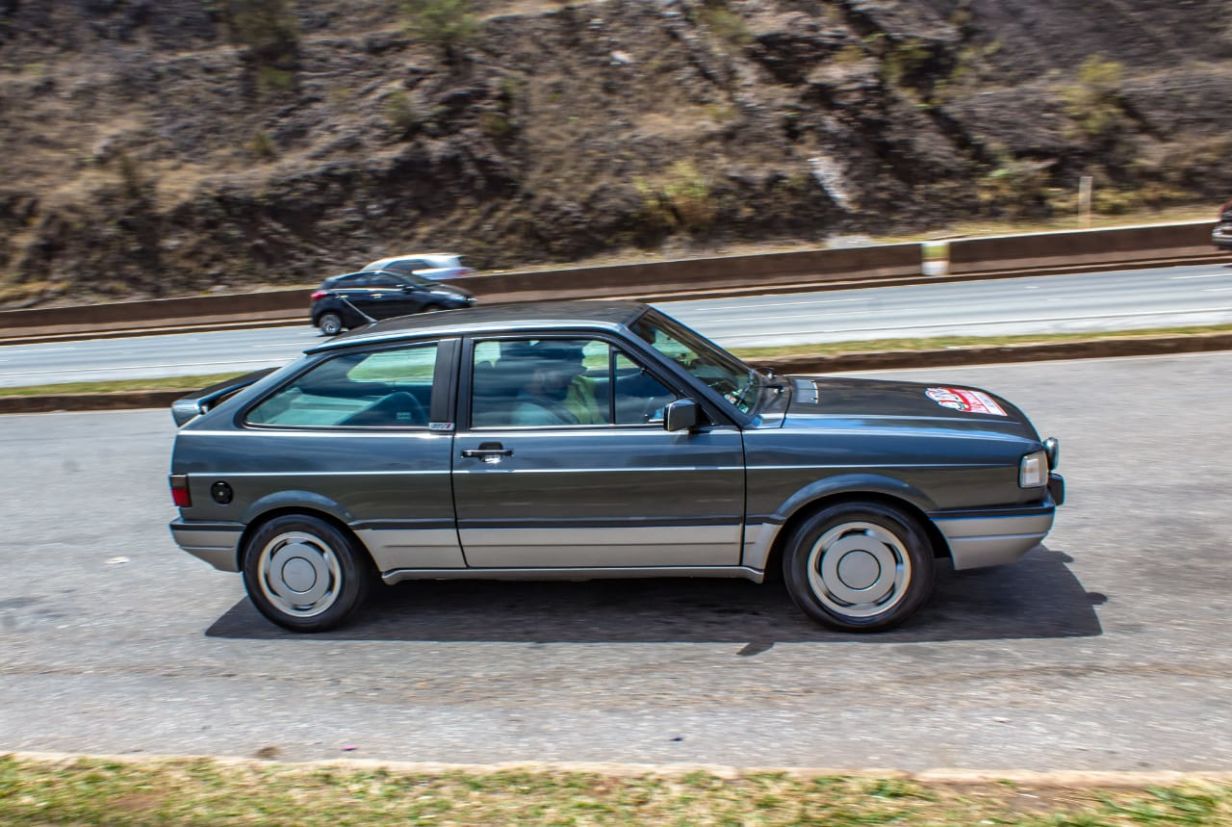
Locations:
column 215, row 543
column 978, row 540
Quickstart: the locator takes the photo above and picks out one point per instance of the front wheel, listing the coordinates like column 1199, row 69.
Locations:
column 859, row 567
column 330, row 324
column 304, row 574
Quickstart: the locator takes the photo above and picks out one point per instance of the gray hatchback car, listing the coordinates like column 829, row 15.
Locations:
column 584, row 440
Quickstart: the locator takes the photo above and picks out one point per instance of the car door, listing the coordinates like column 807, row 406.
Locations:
column 363, row 434
column 562, row 461
column 387, row 298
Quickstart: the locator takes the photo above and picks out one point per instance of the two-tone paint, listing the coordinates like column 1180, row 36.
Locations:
column 604, row 501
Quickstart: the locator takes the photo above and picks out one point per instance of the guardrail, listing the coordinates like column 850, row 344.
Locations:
column 814, row 269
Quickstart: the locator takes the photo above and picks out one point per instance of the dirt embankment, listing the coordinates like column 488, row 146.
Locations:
column 153, row 148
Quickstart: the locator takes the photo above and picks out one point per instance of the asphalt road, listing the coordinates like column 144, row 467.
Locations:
column 1168, row 297
column 1108, row 649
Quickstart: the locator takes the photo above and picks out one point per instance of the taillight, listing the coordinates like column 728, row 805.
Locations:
column 465, row 271
column 320, row 294
column 179, row 491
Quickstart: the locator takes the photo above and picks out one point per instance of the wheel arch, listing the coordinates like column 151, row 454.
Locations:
column 808, row 507
column 305, row 510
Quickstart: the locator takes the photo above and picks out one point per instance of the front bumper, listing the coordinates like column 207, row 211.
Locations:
column 1001, row 536
column 215, row 543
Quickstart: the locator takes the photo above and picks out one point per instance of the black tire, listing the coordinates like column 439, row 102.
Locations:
column 297, row 549
column 330, row 324
column 882, row 552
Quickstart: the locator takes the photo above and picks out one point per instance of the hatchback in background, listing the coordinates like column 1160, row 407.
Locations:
column 355, row 299
column 1222, row 235
column 431, row 266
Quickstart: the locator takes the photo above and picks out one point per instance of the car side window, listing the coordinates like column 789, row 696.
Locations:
column 540, row 383
column 373, row 389
column 384, row 281
column 638, row 398
column 406, row 266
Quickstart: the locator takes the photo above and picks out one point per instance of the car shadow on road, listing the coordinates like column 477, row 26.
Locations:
column 1039, row 597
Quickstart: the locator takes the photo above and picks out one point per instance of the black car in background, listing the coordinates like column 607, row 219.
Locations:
column 342, row 302
column 1221, row 237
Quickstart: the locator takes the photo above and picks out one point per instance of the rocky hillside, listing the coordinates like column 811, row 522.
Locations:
column 159, row 146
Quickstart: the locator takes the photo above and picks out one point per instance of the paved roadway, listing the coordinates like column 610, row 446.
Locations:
column 1109, row 649
column 1099, row 301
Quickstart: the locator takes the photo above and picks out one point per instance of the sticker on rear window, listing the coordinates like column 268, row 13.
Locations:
column 966, row 401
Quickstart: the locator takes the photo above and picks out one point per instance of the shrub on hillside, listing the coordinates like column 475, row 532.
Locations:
column 447, row 24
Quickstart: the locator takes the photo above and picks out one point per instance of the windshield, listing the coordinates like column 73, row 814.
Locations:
column 719, row 370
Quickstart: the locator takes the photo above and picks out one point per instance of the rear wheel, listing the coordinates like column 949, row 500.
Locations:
column 304, row 574
column 330, row 324
column 859, row 566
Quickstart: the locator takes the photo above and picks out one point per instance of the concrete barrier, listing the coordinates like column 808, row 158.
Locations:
column 768, row 269
column 1081, row 248
column 152, row 310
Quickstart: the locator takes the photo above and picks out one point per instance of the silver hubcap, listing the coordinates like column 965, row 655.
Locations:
column 299, row 574
column 859, row 569
column 331, row 325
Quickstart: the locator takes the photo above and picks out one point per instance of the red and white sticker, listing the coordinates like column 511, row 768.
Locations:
column 967, row 401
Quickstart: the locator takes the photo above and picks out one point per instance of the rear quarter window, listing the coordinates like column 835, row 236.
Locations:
column 381, row 389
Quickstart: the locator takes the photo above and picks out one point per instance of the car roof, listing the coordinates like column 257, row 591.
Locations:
column 493, row 318
column 385, row 262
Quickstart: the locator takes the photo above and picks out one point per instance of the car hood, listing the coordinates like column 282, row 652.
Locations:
column 837, row 402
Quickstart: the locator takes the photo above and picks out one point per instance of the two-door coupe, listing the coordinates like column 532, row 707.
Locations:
column 583, row 440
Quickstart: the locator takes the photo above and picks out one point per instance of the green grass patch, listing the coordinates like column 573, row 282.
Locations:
column 751, row 354
column 201, row 791
column 170, row 383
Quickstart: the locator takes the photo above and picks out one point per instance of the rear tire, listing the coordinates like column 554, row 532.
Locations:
column 330, row 324
column 859, row 567
column 305, row 574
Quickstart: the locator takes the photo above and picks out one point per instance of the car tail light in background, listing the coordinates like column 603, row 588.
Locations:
column 320, row 294
column 465, row 271
column 179, row 491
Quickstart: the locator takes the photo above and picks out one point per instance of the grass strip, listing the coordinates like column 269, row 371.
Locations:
column 752, row 354
column 206, row 792
column 947, row 342
column 185, row 383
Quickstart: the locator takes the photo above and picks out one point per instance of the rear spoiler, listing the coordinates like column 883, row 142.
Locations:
column 187, row 408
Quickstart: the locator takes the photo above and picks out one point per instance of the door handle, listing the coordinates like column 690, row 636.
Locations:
column 488, row 451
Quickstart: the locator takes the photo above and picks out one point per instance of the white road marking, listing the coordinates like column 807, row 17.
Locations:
column 1201, row 276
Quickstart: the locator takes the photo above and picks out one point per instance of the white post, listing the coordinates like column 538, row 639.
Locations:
column 1084, row 201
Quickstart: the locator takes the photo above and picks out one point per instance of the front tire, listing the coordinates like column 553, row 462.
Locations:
column 305, row 574
column 859, row 567
column 330, row 324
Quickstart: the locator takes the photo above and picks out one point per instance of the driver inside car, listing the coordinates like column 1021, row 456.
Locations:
column 558, row 392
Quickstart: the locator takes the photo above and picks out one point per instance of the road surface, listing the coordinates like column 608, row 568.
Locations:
column 1108, row 649
column 1195, row 295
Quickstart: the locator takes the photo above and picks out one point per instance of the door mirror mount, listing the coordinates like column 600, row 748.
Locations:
column 681, row 415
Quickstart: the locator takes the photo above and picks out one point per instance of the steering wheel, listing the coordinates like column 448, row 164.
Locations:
column 397, row 408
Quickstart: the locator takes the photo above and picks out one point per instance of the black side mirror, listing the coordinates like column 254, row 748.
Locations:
column 681, row 415
column 409, row 288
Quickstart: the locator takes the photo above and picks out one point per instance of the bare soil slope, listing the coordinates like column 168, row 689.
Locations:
column 153, row 148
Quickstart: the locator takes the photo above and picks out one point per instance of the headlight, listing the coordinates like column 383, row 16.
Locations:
column 1033, row 471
